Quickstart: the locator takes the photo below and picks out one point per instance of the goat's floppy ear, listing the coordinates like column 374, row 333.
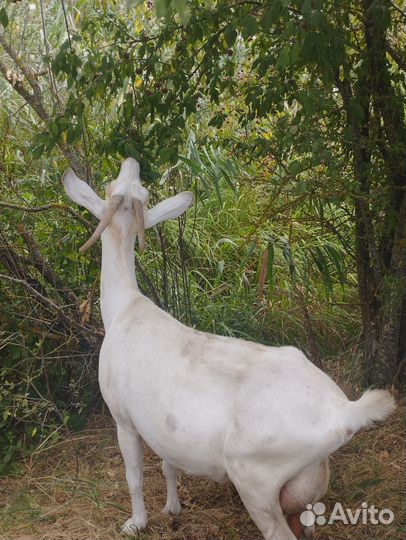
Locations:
column 168, row 209
column 81, row 193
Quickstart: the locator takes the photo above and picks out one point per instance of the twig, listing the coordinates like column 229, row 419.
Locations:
column 35, row 100
column 44, row 268
column 28, row 73
column 18, row 85
column 54, row 90
column 83, row 330
column 45, row 207
column 148, row 282
column 40, row 296
column 66, row 23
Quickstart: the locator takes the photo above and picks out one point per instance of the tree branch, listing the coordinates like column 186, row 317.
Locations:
column 36, row 100
column 44, row 268
column 29, row 74
column 45, row 207
column 15, row 81
column 396, row 56
column 91, row 335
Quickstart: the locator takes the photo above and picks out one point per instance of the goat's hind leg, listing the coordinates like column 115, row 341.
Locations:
column 259, row 491
column 131, row 449
column 172, row 505
column 267, row 515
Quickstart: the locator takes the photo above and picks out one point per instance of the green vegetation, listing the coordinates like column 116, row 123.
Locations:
column 286, row 119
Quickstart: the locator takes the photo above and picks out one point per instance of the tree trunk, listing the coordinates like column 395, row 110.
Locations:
column 385, row 342
column 380, row 233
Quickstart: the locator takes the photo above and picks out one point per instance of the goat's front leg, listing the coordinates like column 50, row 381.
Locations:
column 130, row 446
column 172, row 505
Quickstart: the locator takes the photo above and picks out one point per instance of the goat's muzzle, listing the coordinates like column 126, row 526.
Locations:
column 108, row 214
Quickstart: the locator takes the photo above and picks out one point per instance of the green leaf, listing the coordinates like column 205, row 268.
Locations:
column 133, row 3
column 284, row 57
column 294, row 53
column 288, row 255
column 3, row 17
column 251, row 249
column 217, row 120
column 271, row 15
column 308, row 48
column 322, row 264
column 74, row 134
column 309, row 104
column 262, row 63
column 38, row 150
column 132, row 151
column 182, row 10
column 230, row 35
column 250, row 26
column 162, row 8
column 306, row 8
column 295, row 167
column 196, row 32
column 164, row 155
column 271, row 259
column 53, row 128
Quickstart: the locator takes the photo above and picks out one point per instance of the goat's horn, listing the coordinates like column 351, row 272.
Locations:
column 139, row 218
column 108, row 213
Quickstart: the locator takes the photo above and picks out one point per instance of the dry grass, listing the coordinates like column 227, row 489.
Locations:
column 53, row 499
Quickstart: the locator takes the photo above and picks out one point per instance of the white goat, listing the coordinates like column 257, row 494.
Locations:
column 265, row 417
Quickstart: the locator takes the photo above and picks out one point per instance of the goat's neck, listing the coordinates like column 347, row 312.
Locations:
column 118, row 281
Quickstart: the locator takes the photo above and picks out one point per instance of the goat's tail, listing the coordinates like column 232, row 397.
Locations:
column 373, row 406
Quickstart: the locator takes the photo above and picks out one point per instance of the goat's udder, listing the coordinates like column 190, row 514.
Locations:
column 295, row 525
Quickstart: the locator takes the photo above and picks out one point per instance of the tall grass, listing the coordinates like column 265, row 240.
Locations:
column 223, row 243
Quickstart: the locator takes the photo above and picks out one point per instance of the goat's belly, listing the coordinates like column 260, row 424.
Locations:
column 190, row 438
column 202, row 464
column 183, row 446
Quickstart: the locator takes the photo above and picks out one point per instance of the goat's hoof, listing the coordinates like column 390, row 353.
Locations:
column 132, row 526
column 174, row 509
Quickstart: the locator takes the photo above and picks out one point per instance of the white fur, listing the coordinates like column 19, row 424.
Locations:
column 265, row 417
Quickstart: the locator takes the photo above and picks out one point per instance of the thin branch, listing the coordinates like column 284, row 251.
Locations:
column 15, row 81
column 54, row 90
column 84, row 331
column 45, row 269
column 396, row 56
column 45, row 207
column 396, row 8
column 35, row 100
column 30, row 76
column 148, row 282
column 66, row 23
column 43, row 299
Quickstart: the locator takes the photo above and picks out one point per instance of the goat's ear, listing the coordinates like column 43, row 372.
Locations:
column 168, row 209
column 81, row 193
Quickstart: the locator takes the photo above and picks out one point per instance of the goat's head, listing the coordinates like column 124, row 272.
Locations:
column 125, row 207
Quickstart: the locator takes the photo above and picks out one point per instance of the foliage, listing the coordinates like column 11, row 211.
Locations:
column 273, row 113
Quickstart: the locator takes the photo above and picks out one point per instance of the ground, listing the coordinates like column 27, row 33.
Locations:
column 75, row 488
